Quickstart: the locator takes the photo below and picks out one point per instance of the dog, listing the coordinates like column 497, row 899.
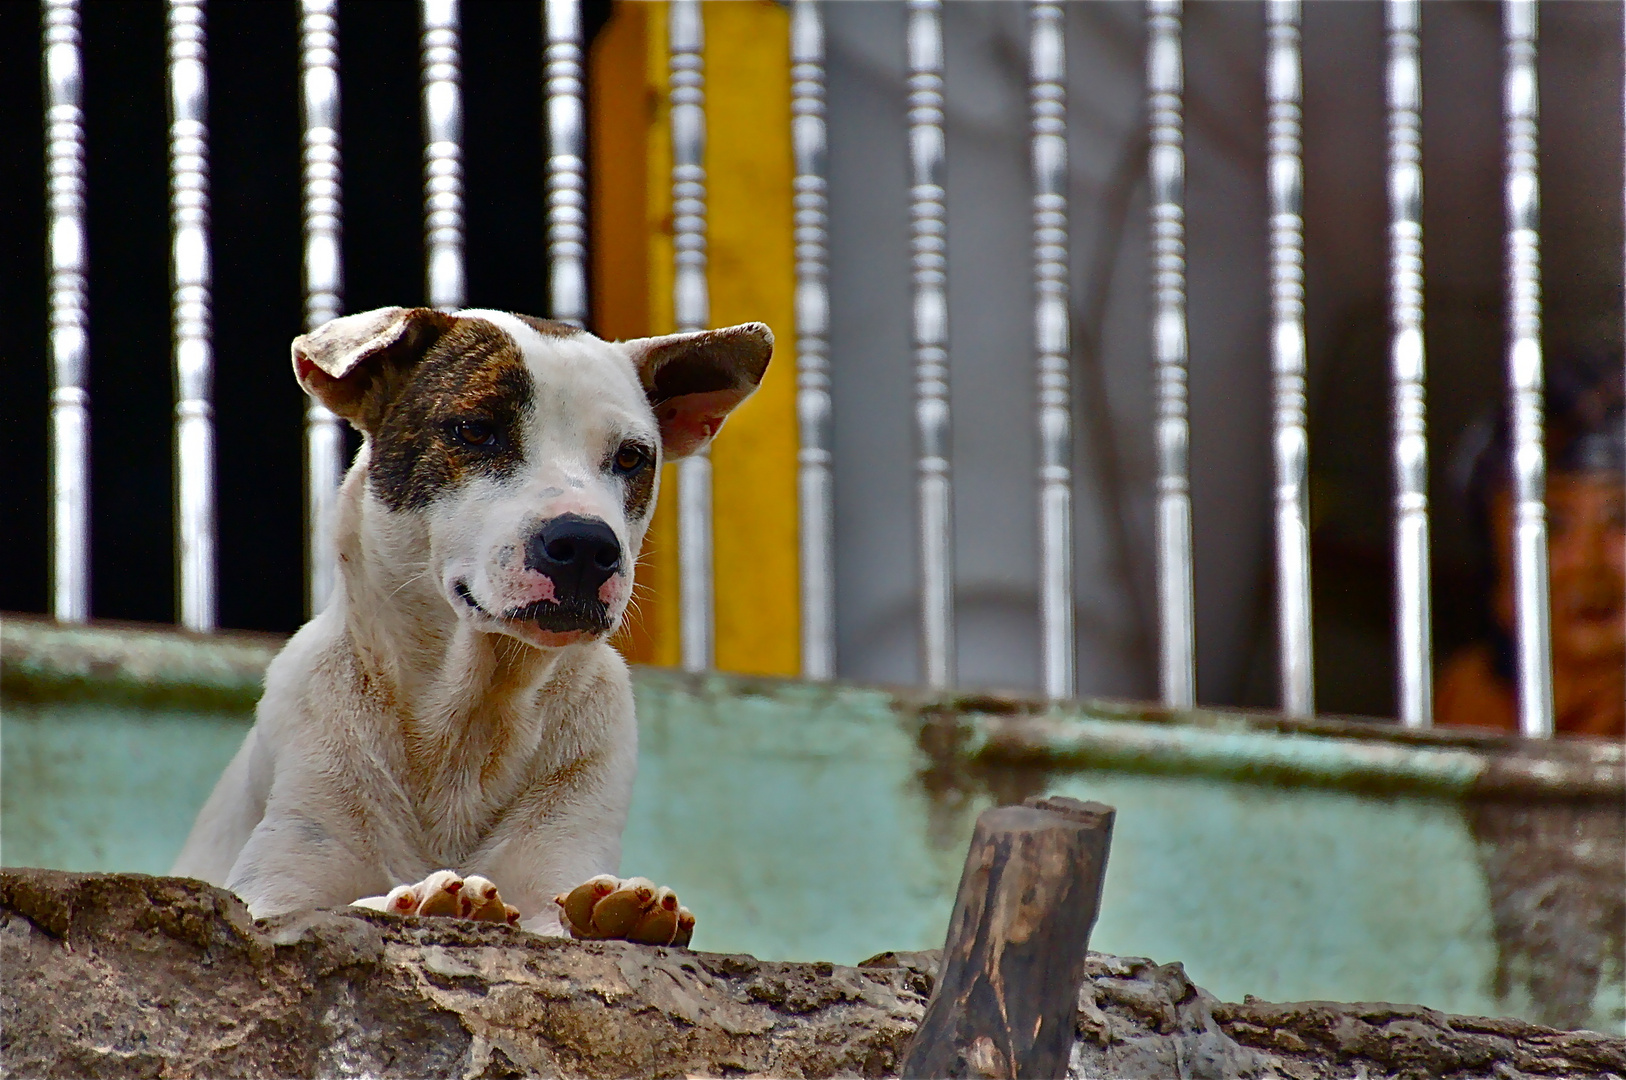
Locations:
column 457, row 709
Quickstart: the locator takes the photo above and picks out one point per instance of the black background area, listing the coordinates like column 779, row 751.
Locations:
column 255, row 137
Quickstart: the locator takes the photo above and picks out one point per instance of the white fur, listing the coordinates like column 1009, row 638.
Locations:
column 401, row 731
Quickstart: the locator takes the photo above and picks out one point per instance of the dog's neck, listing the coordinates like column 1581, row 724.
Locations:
column 465, row 700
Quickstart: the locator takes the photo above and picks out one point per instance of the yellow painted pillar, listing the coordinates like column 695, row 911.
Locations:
column 751, row 275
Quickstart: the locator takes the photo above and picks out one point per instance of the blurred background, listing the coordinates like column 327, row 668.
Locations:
column 255, row 140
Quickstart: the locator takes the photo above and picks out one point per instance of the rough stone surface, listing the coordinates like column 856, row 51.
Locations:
column 1138, row 1019
column 107, row 975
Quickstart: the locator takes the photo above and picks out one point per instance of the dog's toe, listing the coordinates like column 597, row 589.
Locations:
column 658, row 924
column 481, row 900
column 576, row 906
column 438, row 893
column 401, row 900
column 616, row 914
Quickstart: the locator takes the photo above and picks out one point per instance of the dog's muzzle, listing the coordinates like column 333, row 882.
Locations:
column 578, row 554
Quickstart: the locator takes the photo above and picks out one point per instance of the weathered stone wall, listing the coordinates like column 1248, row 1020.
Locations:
column 132, row 976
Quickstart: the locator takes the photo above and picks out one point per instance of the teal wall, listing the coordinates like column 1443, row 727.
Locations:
column 807, row 822
column 801, row 829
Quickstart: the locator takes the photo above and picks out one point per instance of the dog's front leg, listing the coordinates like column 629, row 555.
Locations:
column 304, row 858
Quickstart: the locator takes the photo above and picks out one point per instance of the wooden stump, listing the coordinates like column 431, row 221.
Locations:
column 1007, row 991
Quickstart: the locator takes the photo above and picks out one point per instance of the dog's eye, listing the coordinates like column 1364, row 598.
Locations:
column 629, row 459
column 475, row 433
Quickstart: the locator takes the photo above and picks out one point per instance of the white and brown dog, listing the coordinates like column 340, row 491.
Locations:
column 457, row 703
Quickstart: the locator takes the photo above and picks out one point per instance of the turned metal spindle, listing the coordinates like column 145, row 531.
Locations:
column 1284, row 94
column 1047, row 95
column 813, row 403
column 1528, row 465
column 324, row 279
column 928, row 229
column 567, row 175
column 1166, row 167
column 69, row 319
column 443, row 152
column 1415, row 681
column 191, row 280
column 691, row 308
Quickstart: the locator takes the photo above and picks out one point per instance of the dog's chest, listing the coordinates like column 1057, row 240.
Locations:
column 465, row 788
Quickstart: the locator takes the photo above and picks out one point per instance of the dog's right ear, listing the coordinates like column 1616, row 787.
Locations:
column 354, row 365
column 694, row 380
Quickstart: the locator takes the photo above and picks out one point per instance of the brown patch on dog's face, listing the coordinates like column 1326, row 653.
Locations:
column 549, row 327
column 638, row 484
column 459, row 414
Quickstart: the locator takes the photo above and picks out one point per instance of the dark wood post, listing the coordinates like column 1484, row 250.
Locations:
column 1007, row 991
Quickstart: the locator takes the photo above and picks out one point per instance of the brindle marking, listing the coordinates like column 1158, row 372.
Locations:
column 473, row 372
column 365, row 393
column 548, row 327
column 638, row 488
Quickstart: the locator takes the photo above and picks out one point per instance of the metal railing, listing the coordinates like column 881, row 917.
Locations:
column 324, row 279
column 566, row 194
column 70, row 375
column 691, row 310
column 1166, row 172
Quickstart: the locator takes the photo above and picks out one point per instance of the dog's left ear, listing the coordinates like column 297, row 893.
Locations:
column 693, row 381
column 355, row 364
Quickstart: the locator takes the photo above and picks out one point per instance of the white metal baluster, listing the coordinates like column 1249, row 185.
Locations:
column 443, row 152
column 324, row 279
column 191, row 278
column 69, row 335
column 928, row 229
column 1524, row 367
column 813, row 403
column 567, row 176
column 1048, row 103
column 1166, row 166
column 1284, row 90
column 691, row 310
column 1406, row 364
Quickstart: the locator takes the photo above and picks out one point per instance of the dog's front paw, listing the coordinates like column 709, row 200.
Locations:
column 446, row 893
column 634, row 909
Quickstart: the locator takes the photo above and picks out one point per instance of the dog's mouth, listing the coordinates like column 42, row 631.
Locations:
column 566, row 617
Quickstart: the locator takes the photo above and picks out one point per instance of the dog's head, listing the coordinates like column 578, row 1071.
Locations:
column 521, row 457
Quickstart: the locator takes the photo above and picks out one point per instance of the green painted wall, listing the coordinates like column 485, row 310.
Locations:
column 808, row 834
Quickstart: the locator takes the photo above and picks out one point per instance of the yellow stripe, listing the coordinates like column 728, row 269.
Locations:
column 751, row 276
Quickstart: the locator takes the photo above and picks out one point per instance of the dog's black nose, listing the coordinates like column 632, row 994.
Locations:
column 578, row 553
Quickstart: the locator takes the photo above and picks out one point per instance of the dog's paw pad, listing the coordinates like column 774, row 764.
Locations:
column 634, row 909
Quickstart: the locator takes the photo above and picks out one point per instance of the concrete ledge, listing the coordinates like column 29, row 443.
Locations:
column 161, row 667
column 132, row 663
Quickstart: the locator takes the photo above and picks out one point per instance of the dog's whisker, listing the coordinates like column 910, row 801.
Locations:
column 415, row 577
